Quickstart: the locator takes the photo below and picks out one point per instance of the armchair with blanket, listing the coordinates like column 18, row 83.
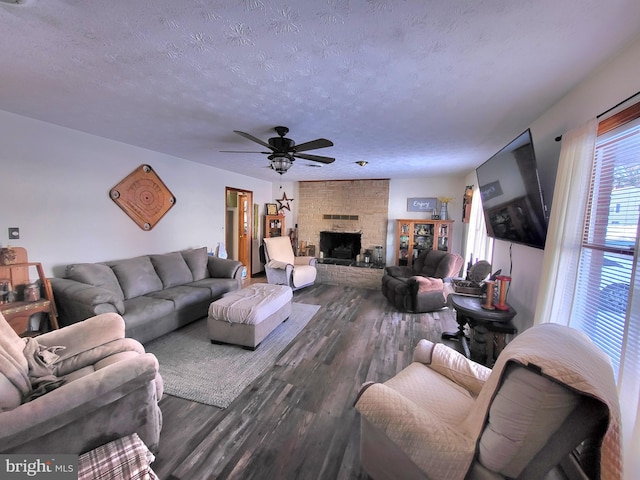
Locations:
column 549, row 403
column 420, row 288
column 76, row 388
column 284, row 268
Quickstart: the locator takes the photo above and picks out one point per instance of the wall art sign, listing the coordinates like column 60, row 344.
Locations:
column 422, row 204
column 143, row 196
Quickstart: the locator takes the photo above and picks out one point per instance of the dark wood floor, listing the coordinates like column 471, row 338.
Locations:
column 297, row 421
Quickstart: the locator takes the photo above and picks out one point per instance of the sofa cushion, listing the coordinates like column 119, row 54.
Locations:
column 96, row 274
column 183, row 296
column 217, row 286
column 172, row 269
column 196, row 259
column 136, row 276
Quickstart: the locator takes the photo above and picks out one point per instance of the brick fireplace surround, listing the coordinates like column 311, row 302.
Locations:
column 368, row 200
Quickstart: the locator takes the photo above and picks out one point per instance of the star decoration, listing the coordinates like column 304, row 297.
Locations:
column 281, row 202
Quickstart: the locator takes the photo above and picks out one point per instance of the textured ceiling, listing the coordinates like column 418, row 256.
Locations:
column 414, row 87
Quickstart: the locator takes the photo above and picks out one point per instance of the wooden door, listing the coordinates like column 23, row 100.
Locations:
column 244, row 231
column 239, row 225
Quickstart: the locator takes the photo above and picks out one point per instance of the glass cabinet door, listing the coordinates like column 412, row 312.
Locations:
column 443, row 237
column 422, row 238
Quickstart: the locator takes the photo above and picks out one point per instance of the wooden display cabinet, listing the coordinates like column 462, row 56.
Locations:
column 274, row 226
column 415, row 236
column 18, row 311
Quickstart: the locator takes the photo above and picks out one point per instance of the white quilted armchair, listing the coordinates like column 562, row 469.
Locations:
column 549, row 403
column 284, row 268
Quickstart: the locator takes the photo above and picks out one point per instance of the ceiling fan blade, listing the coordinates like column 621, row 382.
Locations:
column 254, row 139
column 314, row 158
column 313, row 144
column 243, row 151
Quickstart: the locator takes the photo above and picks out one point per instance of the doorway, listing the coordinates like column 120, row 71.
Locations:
column 239, row 225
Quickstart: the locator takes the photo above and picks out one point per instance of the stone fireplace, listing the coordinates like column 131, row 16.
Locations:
column 344, row 209
column 353, row 216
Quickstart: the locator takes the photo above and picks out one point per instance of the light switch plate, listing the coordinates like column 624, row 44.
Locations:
column 14, row 233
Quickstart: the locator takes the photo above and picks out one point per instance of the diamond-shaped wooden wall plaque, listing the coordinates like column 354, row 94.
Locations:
column 143, row 196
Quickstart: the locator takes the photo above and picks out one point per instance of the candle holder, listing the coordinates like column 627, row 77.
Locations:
column 488, row 303
column 503, row 286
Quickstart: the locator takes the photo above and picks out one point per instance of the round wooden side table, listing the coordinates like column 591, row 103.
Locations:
column 489, row 328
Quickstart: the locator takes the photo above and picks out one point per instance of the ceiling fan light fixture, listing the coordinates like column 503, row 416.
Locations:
column 280, row 163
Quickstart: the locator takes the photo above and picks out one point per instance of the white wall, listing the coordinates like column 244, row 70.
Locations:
column 54, row 186
column 401, row 189
column 616, row 80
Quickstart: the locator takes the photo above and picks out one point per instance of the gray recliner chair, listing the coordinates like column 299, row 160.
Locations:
column 420, row 288
column 549, row 403
column 76, row 388
column 284, row 268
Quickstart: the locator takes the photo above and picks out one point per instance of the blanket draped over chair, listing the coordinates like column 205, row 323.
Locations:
column 445, row 446
column 574, row 362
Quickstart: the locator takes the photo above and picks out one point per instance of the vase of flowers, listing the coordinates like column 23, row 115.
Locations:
column 444, row 202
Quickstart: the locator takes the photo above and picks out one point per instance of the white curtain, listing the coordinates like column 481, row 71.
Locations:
column 562, row 249
column 559, row 272
column 478, row 243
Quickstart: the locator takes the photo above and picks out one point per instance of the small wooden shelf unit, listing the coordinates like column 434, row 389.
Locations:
column 274, row 226
column 17, row 313
column 415, row 236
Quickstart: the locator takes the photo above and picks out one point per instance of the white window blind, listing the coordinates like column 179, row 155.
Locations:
column 602, row 304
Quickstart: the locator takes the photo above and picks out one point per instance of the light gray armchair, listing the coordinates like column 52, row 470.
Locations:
column 284, row 268
column 550, row 402
column 100, row 386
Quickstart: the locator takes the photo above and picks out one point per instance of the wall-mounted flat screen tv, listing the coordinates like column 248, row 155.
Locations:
column 512, row 200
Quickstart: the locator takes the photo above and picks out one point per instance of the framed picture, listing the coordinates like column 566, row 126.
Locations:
column 272, row 209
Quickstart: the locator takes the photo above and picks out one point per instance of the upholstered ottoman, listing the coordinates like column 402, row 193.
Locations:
column 245, row 317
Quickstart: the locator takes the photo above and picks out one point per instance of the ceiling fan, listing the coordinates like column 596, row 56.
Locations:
column 283, row 151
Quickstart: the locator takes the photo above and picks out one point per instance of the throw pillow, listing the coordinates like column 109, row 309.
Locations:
column 172, row 269
column 136, row 276
column 96, row 274
column 197, row 259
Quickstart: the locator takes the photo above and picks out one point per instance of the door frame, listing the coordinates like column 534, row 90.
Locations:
column 242, row 229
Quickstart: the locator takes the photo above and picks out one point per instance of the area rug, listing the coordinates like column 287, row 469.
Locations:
column 195, row 369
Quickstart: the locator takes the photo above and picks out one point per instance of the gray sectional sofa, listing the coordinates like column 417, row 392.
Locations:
column 155, row 294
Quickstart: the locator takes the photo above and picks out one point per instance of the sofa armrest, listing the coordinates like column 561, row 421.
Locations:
column 224, row 268
column 78, row 301
column 88, row 342
column 420, row 284
column 452, row 364
column 91, row 333
column 76, row 400
column 305, row 260
column 399, row 271
column 420, row 433
column 278, row 265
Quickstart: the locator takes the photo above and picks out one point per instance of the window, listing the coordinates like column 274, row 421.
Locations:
column 478, row 246
column 607, row 270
